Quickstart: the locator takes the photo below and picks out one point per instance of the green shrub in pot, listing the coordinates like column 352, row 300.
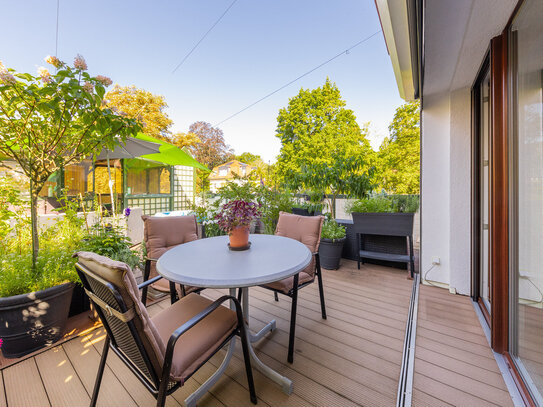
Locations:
column 331, row 244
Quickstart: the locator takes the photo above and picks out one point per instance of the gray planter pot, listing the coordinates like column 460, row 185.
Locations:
column 330, row 253
column 31, row 321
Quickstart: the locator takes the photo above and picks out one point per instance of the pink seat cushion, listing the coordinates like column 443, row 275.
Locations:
column 305, row 229
column 163, row 233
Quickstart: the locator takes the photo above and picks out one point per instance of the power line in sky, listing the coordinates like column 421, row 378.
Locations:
column 300, row 77
column 205, row 35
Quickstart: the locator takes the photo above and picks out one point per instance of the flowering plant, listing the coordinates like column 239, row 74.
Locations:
column 53, row 120
column 237, row 213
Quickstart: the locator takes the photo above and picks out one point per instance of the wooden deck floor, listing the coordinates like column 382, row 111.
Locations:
column 453, row 361
column 352, row 358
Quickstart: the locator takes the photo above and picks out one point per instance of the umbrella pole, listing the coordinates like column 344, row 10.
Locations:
column 110, row 186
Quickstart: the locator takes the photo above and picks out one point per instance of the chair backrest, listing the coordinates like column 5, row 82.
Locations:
column 112, row 288
column 305, row 229
column 162, row 233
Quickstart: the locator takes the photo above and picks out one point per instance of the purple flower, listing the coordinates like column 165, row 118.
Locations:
column 1, row 342
column 127, row 212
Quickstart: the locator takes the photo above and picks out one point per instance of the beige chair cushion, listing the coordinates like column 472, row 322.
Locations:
column 198, row 344
column 122, row 278
column 163, row 233
column 305, row 229
column 286, row 284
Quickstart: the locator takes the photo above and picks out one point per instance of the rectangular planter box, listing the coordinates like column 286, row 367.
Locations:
column 383, row 233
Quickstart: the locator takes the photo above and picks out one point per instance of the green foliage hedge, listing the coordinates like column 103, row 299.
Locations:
column 385, row 204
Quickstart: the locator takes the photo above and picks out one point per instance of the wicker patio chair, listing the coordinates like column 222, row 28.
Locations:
column 165, row 350
column 160, row 234
column 306, row 229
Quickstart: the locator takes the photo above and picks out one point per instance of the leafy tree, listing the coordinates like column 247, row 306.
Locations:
column 211, row 149
column 145, row 107
column 322, row 146
column 399, row 154
column 184, row 140
column 52, row 120
column 247, row 158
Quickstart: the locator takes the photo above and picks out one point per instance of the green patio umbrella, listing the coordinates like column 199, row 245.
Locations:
column 170, row 154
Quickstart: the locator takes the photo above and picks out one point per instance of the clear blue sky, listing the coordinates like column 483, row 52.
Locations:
column 256, row 48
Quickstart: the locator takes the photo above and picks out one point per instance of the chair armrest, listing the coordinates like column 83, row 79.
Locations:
column 149, row 259
column 151, row 281
column 191, row 323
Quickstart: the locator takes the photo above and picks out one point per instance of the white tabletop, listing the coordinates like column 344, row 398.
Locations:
column 209, row 262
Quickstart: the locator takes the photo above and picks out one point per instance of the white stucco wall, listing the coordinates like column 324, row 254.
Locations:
column 460, row 192
column 435, row 187
column 446, row 189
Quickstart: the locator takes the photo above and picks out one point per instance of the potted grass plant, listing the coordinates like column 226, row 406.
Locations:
column 331, row 244
column 47, row 121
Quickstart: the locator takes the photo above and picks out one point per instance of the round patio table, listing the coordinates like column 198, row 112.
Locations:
column 209, row 263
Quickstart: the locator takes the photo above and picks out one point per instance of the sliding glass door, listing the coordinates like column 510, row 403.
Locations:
column 481, row 193
column 526, row 184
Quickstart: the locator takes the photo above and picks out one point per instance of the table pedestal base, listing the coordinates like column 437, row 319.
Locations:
column 191, row 400
column 284, row 382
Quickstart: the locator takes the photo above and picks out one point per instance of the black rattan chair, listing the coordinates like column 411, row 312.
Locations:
column 306, row 229
column 166, row 350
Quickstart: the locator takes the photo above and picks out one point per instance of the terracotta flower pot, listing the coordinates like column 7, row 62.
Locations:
column 239, row 236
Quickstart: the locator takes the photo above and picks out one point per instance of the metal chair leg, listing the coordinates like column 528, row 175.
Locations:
column 358, row 249
column 292, row 334
column 247, row 357
column 146, row 273
column 100, row 373
column 321, row 287
column 239, row 294
column 275, row 296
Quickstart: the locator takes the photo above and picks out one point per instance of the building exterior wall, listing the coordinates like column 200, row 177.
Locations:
column 446, row 189
column 435, row 188
column 460, row 191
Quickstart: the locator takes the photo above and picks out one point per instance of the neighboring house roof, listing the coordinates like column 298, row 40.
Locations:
column 231, row 167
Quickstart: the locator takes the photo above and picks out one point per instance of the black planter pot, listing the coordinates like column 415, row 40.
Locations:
column 80, row 301
column 31, row 321
column 330, row 253
column 305, row 212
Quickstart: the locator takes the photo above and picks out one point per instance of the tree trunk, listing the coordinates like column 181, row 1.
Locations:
column 34, row 222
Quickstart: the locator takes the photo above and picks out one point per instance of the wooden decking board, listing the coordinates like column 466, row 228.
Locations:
column 446, row 393
column 370, row 321
column 453, row 361
column 351, row 359
column 485, row 362
column 373, row 385
column 313, row 345
column 345, row 306
column 24, row 385
column 3, row 401
column 61, row 381
column 86, row 361
column 454, row 331
column 309, row 317
column 473, row 372
column 343, row 341
column 366, row 295
column 422, row 399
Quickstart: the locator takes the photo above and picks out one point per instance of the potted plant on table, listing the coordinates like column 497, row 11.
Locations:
column 331, row 244
column 235, row 218
column 47, row 122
